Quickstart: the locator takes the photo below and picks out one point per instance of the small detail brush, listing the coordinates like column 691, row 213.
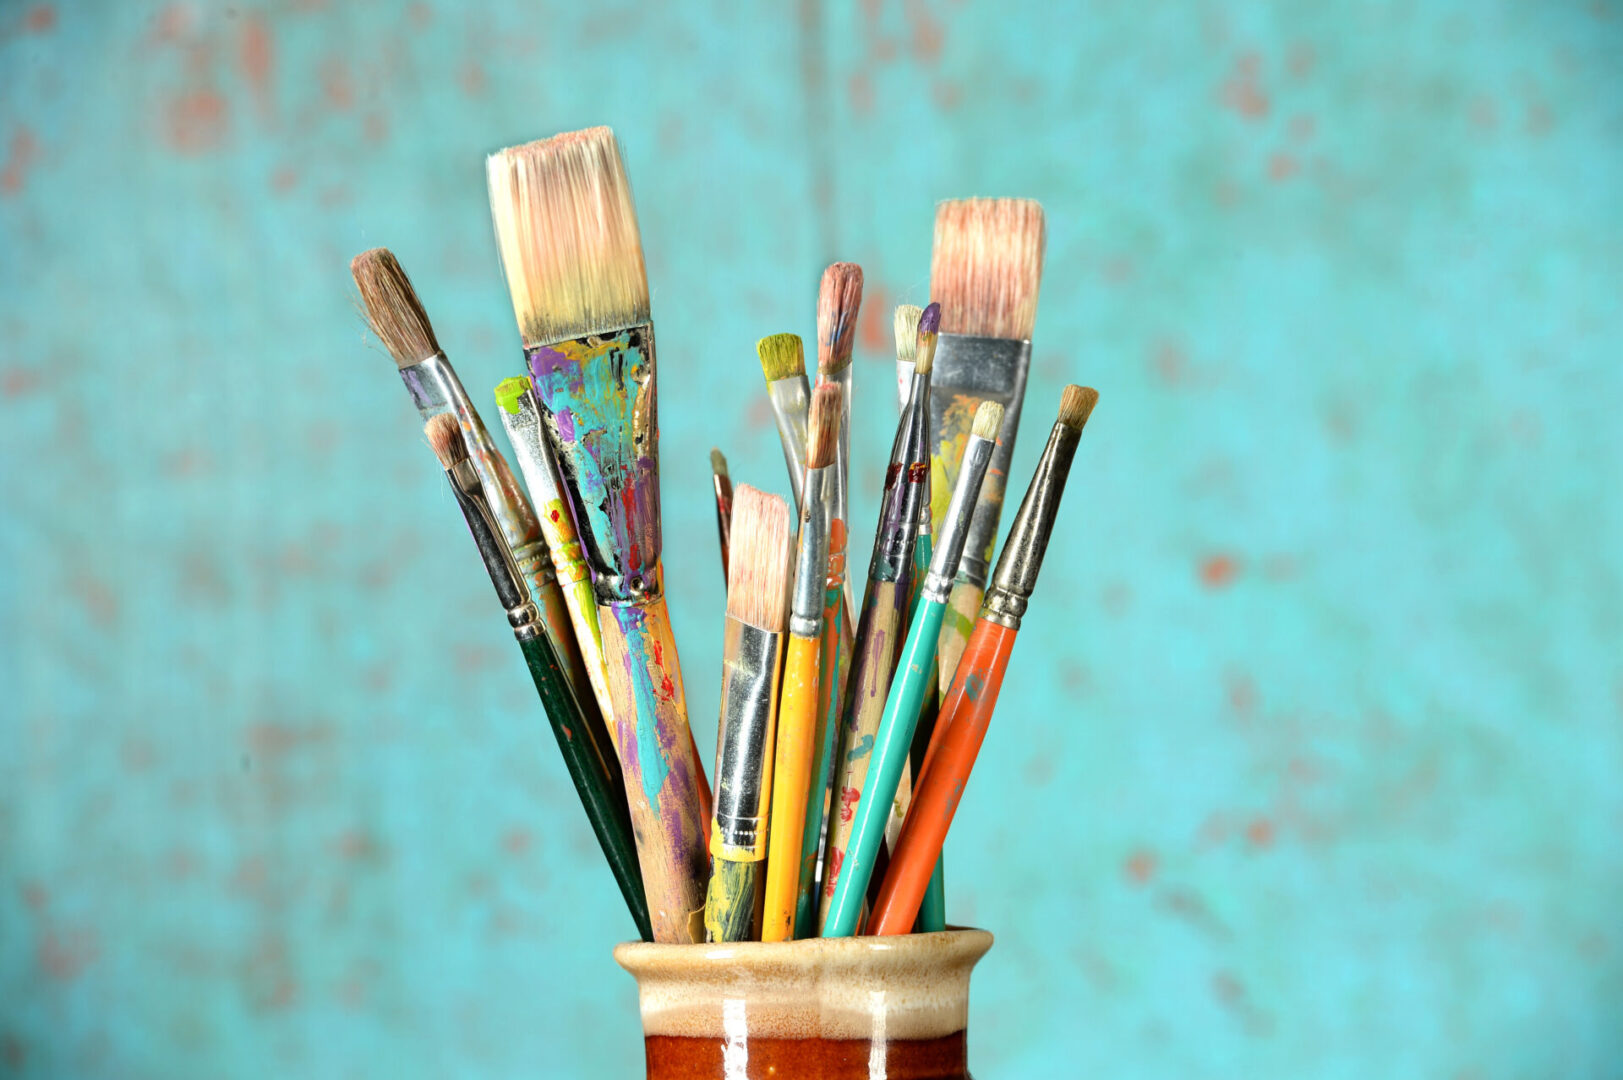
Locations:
column 783, row 362
column 797, row 732
column 752, row 655
column 724, row 503
column 914, row 681
column 572, row 253
column 906, row 322
column 605, row 807
column 967, row 710
column 839, row 304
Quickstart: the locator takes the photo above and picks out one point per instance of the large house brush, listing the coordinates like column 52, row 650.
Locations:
column 570, row 246
column 752, row 657
column 967, row 710
column 592, row 776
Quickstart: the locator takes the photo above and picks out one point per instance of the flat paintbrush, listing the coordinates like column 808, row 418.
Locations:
column 797, row 731
column 605, row 807
column 572, row 253
column 905, row 323
column 723, row 484
column 783, row 362
column 752, row 659
column 913, row 683
column 967, row 710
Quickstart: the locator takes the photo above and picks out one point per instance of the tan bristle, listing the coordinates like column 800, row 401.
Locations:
column 445, row 439
column 782, row 356
column 1076, row 405
column 988, row 419
column 823, row 426
column 392, row 307
column 758, row 559
column 986, row 266
column 718, row 462
column 567, row 231
column 839, row 302
column 906, row 322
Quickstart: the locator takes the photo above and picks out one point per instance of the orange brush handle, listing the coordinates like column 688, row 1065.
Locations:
column 791, row 776
column 958, row 736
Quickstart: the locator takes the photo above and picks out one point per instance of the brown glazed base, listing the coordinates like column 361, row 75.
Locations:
column 681, row 1058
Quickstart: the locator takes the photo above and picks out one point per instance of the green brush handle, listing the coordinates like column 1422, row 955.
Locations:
column 610, row 818
column 729, row 903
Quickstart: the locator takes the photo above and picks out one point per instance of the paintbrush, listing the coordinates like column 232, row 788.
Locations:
column 968, row 707
column 724, row 503
column 905, row 323
column 400, row 322
column 783, row 362
column 605, row 806
column 914, row 681
column 882, row 622
column 839, row 304
column 570, row 247
column 521, row 417
column 752, row 655
column 798, row 728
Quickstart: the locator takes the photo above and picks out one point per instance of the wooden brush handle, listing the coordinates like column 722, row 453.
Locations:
column 604, row 800
column 959, row 734
column 791, row 779
column 729, row 904
column 663, row 776
column 963, row 608
column 557, row 622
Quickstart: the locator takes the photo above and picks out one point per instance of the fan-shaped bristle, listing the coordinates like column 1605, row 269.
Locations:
column 1076, row 405
column 568, row 236
column 988, row 419
column 839, row 301
column 823, row 426
column 392, row 307
column 906, row 323
column 445, row 439
column 929, row 324
column 758, row 559
column 986, row 266
column 782, row 356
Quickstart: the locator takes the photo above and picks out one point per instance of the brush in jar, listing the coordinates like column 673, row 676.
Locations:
column 572, row 253
column 798, row 733
column 604, row 803
column 752, row 658
column 783, row 362
column 399, row 320
column 968, row 707
column 723, row 485
column 882, row 623
column 914, row 681
column 905, row 323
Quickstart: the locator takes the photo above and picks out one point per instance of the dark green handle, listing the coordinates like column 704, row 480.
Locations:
column 606, row 810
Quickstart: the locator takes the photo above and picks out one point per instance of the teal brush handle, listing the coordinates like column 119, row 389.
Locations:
column 895, row 738
column 607, row 812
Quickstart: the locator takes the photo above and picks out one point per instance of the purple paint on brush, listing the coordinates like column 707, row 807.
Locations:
column 930, row 321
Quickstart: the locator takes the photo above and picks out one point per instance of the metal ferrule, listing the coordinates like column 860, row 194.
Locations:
column 1022, row 557
column 904, row 382
column 749, row 701
column 791, row 403
column 906, row 500
column 522, row 614
column 435, row 389
column 811, row 564
column 955, row 526
column 981, row 369
column 599, row 407
column 539, row 466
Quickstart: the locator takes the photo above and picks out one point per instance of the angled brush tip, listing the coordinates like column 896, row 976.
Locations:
column 929, row 323
column 758, row 559
column 839, row 301
column 444, row 436
column 906, row 323
column 392, row 308
column 718, row 462
column 823, row 425
column 988, row 420
column 782, row 356
column 986, row 266
column 1076, row 405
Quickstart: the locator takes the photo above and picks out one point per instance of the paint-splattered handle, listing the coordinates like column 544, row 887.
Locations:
column 959, row 733
column 729, row 905
column 663, row 776
column 963, row 606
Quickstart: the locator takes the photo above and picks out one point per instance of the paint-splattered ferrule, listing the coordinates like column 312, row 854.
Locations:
column 811, row 562
column 1016, row 575
column 599, row 409
column 969, row 370
column 791, row 406
column 949, row 544
column 749, row 702
column 521, row 417
column 522, row 614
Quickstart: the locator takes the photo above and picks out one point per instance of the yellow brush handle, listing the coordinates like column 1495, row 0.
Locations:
column 791, row 773
column 575, row 580
column 665, row 784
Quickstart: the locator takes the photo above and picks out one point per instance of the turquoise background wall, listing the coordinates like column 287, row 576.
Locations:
column 1308, row 764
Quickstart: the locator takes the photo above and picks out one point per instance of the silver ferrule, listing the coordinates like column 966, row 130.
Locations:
column 981, row 369
column 522, row 614
column 536, row 461
column 811, row 563
column 949, row 545
column 791, row 402
column 904, row 383
column 1022, row 557
column 749, row 701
